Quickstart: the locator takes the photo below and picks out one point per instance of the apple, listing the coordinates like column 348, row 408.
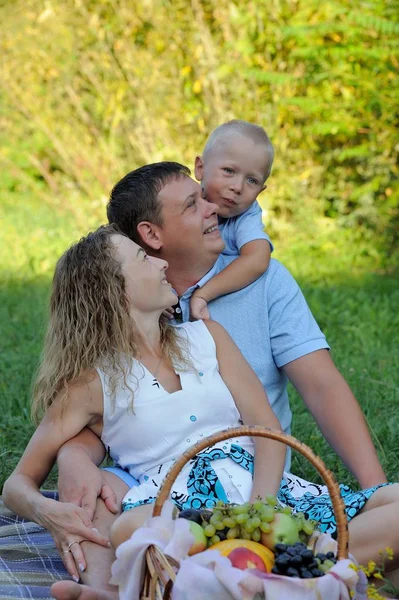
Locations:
column 227, row 547
column 284, row 531
column 200, row 538
column 242, row 558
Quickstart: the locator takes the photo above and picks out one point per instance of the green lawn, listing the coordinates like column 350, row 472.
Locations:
column 354, row 299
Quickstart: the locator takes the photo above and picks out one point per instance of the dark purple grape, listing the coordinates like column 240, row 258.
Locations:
column 291, row 572
column 306, row 574
column 205, row 514
column 300, row 545
column 296, row 561
column 191, row 515
column 279, row 548
column 317, row 573
column 222, row 534
column 321, row 556
column 284, row 556
column 313, row 565
column 282, row 563
column 307, row 556
column 292, row 551
column 276, row 571
column 331, row 556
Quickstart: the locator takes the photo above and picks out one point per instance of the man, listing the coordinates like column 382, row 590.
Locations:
column 160, row 207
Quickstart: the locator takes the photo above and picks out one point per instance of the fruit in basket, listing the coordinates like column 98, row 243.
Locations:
column 299, row 561
column 238, row 521
column 254, row 522
column 195, row 520
column 242, row 558
column 271, row 500
column 200, row 541
column 191, row 514
column 284, row 530
column 245, row 559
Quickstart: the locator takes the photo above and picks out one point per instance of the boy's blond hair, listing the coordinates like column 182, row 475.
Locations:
column 238, row 127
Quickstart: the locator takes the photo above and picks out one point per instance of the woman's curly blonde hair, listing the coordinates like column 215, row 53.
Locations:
column 89, row 324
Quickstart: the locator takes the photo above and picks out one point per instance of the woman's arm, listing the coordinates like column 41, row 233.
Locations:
column 66, row 523
column 254, row 407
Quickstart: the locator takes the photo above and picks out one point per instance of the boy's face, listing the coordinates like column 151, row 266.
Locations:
column 233, row 174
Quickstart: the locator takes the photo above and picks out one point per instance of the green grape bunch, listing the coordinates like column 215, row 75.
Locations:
column 245, row 521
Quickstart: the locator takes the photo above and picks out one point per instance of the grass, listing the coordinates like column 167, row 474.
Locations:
column 354, row 299
column 353, row 292
column 361, row 325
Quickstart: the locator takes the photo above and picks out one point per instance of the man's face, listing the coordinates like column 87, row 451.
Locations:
column 190, row 224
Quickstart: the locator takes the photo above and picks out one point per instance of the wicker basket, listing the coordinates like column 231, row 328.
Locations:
column 160, row 570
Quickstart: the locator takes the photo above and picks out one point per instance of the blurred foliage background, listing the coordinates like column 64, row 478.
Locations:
column 91, row 89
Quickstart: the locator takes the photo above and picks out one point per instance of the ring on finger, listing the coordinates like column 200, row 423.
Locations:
column 66, row 551
column 71, row 544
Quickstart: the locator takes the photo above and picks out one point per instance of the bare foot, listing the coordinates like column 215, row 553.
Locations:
column 69, row 590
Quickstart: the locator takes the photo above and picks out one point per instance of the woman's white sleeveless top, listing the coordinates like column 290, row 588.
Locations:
column 146, row 440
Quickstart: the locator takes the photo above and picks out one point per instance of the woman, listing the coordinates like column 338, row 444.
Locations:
column 111, row 363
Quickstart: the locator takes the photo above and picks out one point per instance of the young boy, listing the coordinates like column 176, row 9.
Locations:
column 233, row 169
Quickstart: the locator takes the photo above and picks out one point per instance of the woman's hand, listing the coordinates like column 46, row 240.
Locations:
column 69, row 525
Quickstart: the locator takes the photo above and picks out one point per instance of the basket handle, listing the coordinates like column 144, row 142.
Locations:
column 279, row 436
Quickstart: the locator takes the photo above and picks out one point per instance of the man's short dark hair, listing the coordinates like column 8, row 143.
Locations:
column 135, row 197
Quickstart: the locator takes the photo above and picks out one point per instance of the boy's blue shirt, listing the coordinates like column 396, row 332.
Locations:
column 242, row 229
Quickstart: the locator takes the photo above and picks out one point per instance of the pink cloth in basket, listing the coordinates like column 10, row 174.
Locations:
column 208, row 575
column 217, row 580
column 172, row 536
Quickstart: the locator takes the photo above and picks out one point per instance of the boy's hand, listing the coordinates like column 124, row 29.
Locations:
column 199, row 308
column 169, row 313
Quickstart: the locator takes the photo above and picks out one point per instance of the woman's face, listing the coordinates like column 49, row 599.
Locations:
column 145, row 281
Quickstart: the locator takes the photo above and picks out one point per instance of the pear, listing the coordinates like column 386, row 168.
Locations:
column 284, row 530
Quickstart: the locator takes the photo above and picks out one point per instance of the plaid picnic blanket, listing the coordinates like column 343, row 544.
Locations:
column 29, row 560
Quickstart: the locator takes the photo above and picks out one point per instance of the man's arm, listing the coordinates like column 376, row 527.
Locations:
column 299, row 348
column 337, row 413
column 83, row 485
